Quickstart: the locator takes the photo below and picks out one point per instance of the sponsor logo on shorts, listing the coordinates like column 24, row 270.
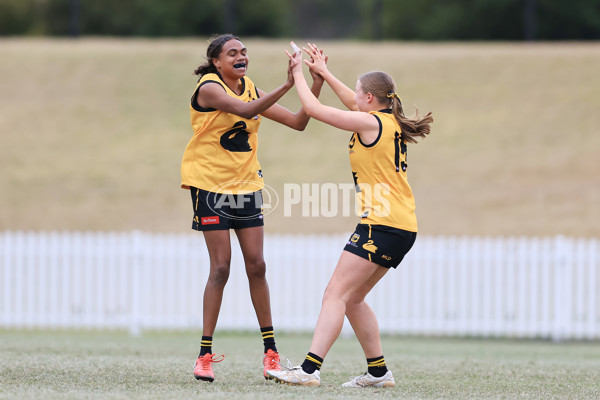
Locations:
column 210, row 220
column 353, row 240
column 369, row 246
column 386, row 257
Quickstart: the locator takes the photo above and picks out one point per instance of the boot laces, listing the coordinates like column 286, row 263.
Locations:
column 207, row 359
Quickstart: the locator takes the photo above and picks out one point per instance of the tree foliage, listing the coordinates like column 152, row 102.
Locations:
column 355, row 19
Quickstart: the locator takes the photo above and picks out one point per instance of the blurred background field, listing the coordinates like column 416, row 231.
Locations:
column 92, row 132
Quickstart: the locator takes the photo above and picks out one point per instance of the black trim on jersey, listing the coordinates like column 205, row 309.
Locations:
column 378, row 136
column 243, row 87
column 195, row 105
column 243, row 84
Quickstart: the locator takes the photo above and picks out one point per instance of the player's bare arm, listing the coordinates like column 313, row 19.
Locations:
column 286, row 117
column 352, row 121
column 213, row 95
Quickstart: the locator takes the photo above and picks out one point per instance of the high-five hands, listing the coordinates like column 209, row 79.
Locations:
column 318, row 61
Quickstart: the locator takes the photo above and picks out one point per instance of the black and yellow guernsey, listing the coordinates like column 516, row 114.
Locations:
column 221, row 155
column 379, row 169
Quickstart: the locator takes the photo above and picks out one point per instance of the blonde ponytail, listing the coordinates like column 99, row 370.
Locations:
column 412, row 128
column 382, row 86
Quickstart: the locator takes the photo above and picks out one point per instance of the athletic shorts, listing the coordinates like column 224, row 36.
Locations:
column 221, row 211
column 383, row 245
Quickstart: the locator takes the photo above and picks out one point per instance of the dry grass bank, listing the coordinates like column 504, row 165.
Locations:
column 93, row 131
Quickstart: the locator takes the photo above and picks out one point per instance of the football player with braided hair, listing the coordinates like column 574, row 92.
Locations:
column 222, row 172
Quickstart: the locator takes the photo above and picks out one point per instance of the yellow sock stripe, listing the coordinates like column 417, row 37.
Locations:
column 267, row 333
column 268, row 336
column 206, row 343
column 369, row 254
column 309, row 358
column 379, row 363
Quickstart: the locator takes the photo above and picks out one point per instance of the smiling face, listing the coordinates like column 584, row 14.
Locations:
column 233, row 60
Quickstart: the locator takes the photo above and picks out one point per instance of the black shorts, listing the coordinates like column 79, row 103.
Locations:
column 383, row 245
column 220, row 211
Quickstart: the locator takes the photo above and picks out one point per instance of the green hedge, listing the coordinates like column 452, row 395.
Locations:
column 355, row 19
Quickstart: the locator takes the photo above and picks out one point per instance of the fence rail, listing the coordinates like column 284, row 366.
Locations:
column 476, row 286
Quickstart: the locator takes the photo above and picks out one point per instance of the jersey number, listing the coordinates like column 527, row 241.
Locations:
column 400, row 148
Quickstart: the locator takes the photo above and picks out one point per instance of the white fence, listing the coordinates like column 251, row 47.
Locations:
column 519, row 287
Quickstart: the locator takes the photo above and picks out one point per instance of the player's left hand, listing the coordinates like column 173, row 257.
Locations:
column 318, row 60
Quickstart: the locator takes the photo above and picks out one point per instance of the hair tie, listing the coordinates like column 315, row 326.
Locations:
column 392, row 95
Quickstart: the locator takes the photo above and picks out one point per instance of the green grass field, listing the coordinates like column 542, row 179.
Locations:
column 110, row 365
column 93, row 131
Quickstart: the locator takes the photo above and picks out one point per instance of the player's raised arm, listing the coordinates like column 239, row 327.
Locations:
column 280, row 114
column 212, row 95
column 318, row 65
column 352, row 121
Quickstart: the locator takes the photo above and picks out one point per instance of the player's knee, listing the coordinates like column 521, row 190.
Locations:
column 334, row 292
column 355, row 300
column 219, row 274
column 256, row 269
column 331, row 294
column 354, row 305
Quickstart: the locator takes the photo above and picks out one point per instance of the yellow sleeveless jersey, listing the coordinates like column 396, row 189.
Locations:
column 384, row 196
column 221, row 156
